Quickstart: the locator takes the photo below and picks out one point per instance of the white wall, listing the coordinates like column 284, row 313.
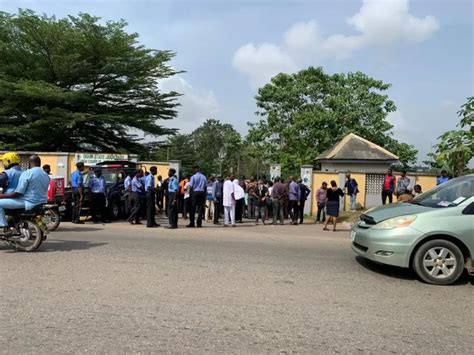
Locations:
column 357, row 167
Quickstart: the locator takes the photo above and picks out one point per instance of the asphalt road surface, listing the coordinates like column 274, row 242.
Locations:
column 283, row 289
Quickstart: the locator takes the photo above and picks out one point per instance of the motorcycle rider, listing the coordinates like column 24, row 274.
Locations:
column 31, row 191
column 11, row 163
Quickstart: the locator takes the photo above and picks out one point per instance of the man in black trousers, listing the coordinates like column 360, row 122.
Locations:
column 151, row 198
column 198, row 185
column 173, row 191
column 304, row 193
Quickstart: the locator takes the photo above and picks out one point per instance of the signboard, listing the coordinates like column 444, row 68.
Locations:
column 94, row 158
column 307, row 178
column 275, row 171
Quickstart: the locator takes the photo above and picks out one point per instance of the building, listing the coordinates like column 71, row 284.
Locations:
column 354, row 153
column 368, row 163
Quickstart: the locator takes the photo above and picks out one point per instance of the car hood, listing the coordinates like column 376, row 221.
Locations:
column 382, row 213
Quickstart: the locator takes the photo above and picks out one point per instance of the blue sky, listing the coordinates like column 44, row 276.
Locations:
column 229, row 48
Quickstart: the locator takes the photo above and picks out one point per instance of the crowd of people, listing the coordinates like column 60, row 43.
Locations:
column 227, row 201
column 222, row 201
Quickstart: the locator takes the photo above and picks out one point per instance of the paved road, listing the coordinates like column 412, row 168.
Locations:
column 121, row 288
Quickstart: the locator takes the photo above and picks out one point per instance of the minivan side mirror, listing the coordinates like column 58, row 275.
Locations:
column 469, row 209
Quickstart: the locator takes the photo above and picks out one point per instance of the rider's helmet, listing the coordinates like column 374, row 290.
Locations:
column 9, row 159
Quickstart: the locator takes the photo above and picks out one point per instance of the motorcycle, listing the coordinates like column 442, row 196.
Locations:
column 52, row 217
column 28, row 229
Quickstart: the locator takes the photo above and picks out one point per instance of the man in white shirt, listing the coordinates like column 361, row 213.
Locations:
column 228, row 201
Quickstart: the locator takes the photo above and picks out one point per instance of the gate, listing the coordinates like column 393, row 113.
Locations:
column 373, row 189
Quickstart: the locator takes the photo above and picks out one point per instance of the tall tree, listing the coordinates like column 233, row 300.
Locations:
column 305, row 113
column 214, row 146
column 217, row 146
column 76, row 84
column 455, row 148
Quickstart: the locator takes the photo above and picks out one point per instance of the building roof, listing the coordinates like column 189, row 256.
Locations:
column 355, row 148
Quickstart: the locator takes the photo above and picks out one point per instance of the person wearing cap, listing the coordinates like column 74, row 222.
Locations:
column 98, row 196
column 77, row 184
column 11, row 163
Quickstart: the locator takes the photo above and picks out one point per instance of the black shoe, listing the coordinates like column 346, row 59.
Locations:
column 152, row 226
column 199, row 226
column 157, row 224
column 190, row 226
column 171, row 227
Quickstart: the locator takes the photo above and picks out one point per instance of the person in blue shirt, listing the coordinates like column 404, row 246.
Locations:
column 443, row 178
column 137, row 189
column 151, row 198
column 127, row 185
column 77, row 184
column 11, row 162
column 98, row 196
column 198, row 186
column 31, row 191
column 173, row 192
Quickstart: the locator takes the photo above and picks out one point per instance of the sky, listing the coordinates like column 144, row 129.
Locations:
column 229, row 48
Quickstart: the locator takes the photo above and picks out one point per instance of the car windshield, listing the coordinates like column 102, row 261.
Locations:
column 449, row 194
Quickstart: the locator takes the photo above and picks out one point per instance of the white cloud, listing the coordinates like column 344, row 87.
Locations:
column 378, row 23
column 262, row 62
column 196, row 105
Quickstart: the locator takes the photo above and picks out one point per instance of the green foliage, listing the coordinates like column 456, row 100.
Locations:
column 455, row 148
column 214, row 146
column 74, row 84
column 307, row 112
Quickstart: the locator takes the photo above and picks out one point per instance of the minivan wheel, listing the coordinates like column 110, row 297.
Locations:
column 438, row 262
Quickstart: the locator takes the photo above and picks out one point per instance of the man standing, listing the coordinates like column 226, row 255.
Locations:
column 77, row 184
column 198, row 185
column 11, row 163
column 217, row 188
column 443, row 178
column 388, row 187
column 402, row 184
column 181, row 204
column 151, row 198
column 352, row 189
column 47, row 169
column 294, row 200
column 31, row 191
column 173, row 191
column 228, row 200
column 260, row 194
column 278, row 198
column 127, row 185
column 304, row 193
column 209, row 200
column 321, row 197
column 98, row 196
column 137, row 190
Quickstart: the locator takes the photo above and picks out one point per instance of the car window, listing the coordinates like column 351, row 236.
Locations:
column 449, row 194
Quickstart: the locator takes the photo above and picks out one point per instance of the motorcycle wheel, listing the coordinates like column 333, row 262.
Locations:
column 54, row 219
column 31, row 237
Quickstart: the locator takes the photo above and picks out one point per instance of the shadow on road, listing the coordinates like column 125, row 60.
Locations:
column 402, row 273
column 386, row 270
column 68, row 245
column 79, row 228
